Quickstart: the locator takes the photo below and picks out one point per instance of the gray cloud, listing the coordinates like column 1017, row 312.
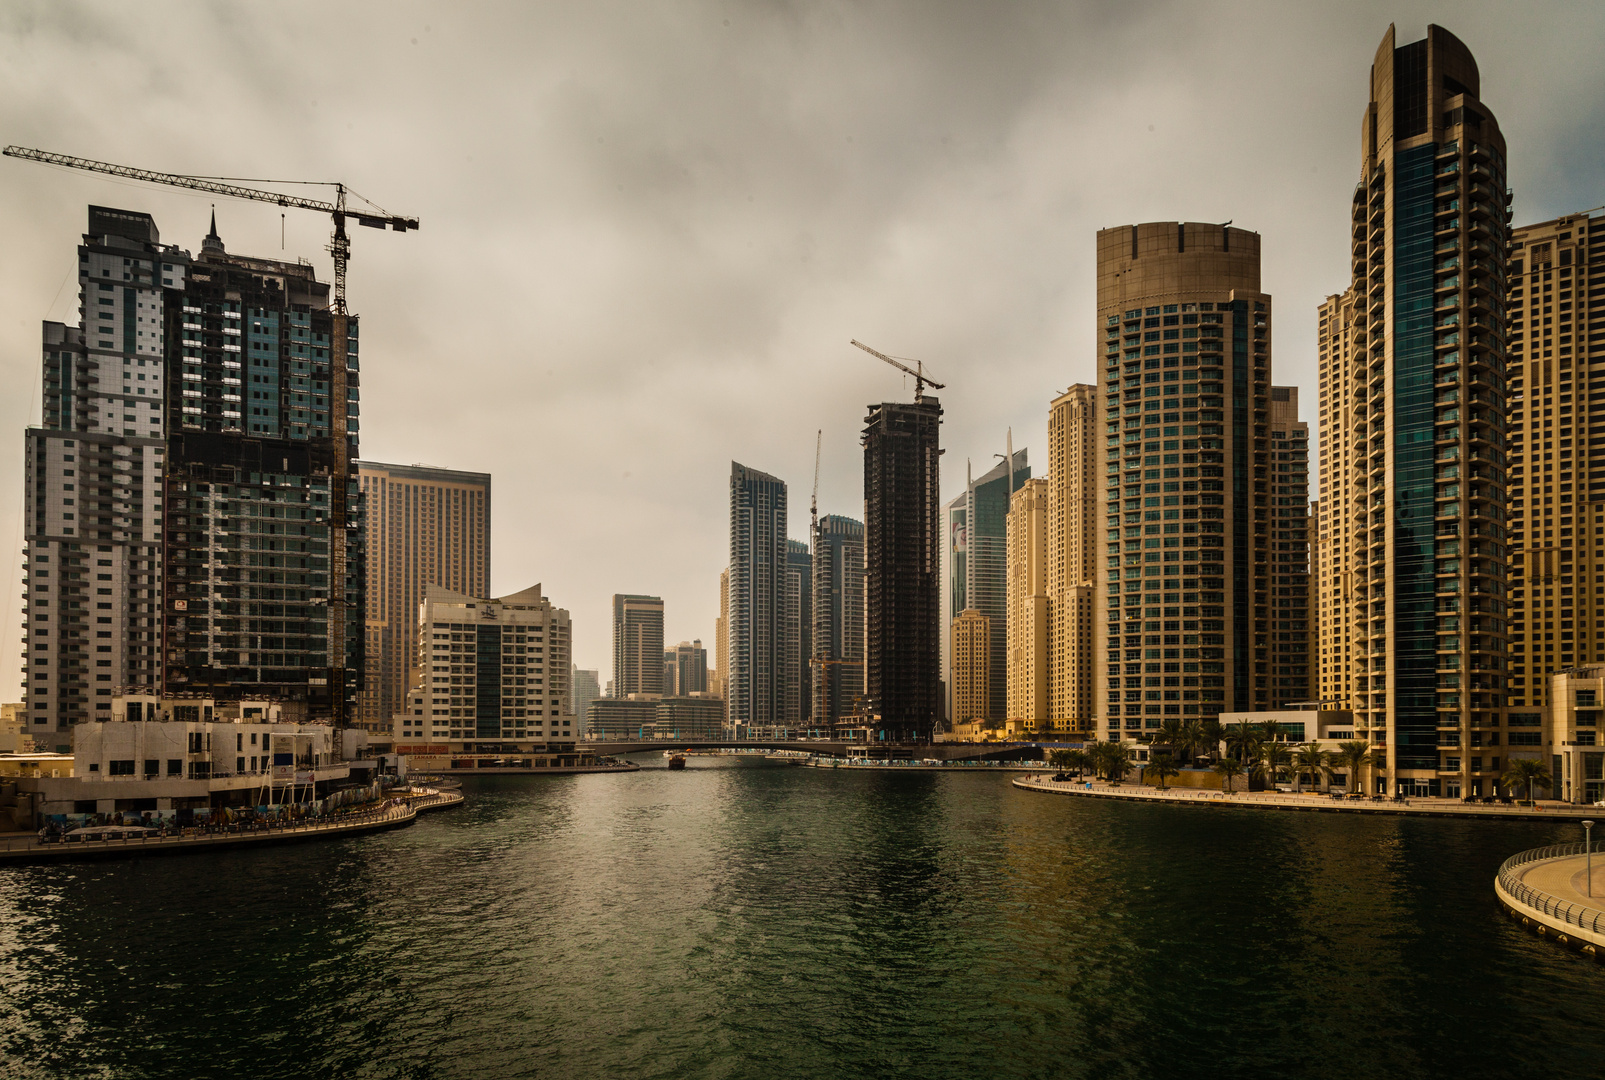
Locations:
column 650, row 229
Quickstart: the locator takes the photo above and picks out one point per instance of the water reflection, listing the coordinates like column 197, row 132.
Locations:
column 739, row 920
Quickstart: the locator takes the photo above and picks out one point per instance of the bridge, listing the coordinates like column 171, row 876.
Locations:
column 828, row 748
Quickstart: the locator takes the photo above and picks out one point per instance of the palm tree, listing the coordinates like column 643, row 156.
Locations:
column 1075, row 759
column 1190, row 738
column 1211, row 734
column 1352, row 755
column 1168, row 733
column 1228, row 767
column 1273, row 758
column 1242, row 740
column 1116, row 759
column 1310, row 758
column 1528, row 772
column 1160, row 767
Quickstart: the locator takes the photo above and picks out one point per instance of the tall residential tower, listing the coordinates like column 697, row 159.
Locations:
column 426, row 526
column 755, row 691
column 1413, row 527
column 1194, row 618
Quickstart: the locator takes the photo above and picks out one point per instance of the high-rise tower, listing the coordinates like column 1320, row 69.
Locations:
column 1190, row 519
column 1557, row 486
column 1072, row 559
column 425, row 526
column 838, row 618
column 984, row 564
column 1028, row 610
column 1416, row 522
column 93, row 498
column 902, row 558
column 756, row 687
column 264, row 577
column 799, row 632
column 637, row 645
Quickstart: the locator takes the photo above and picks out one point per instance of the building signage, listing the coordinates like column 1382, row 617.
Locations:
column 422, row 750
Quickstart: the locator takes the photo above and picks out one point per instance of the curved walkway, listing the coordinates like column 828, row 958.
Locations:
column 1310, row 803
column 1547, row 890
column 20, row 851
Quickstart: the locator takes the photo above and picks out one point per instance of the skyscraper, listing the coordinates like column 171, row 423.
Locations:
column 425, row 526
column 1072, row 563
column 92, row 517
column 637, row 645
column 685, row 669
column 1190, row 520
column 799, row 631
column 1028, row 610
column 838, row 619
column 983, row 561
column 1416, row 523
column 587, row 687
column 756, row 690
column 264, row 578
column 1555, row 539
column 972, row 667
column 902, row 562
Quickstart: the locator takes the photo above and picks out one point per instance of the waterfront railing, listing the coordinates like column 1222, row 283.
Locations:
column 1573, row 914
column 407, row 807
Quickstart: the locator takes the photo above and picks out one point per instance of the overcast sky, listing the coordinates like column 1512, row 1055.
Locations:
column 649, row 229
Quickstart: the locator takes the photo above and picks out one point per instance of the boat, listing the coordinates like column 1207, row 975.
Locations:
column 676, row 759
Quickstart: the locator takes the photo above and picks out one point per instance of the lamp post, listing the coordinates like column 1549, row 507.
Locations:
column 1588, row 853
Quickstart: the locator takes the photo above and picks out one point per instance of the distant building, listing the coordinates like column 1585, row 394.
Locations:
column 1074, row 442
column 1028, row 609
column 614, row 719
column 637, row 644
column 689, row 716
column 721, row 638
column 685, row 669
column 902, row 560
column 756, row 690
column 426, row 526
column 491, row 671
column 837, row 636
column 799, row 632
column 972, row 666
column 587, row 688
column 983, row 563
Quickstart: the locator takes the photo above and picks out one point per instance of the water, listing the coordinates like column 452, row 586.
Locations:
column 739, row 919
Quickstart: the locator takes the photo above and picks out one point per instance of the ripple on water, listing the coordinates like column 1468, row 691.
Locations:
column 738, row 920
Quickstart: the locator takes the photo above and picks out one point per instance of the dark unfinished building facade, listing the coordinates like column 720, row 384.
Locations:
column 903, row 565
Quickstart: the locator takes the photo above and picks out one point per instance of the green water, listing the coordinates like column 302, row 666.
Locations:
column 749, row 920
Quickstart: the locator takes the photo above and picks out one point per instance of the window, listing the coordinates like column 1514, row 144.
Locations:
column 122, row 768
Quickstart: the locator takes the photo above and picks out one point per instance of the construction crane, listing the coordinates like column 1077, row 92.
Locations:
column 374, row 217
column 918, row 370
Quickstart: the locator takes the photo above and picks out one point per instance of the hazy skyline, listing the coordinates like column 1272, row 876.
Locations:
column 648, row 232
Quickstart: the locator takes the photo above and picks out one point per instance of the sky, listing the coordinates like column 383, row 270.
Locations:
column 648, row 230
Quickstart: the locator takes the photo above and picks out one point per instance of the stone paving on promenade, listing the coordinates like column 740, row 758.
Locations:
column 1311, row 801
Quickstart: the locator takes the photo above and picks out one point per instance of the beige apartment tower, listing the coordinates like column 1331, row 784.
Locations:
column 1414, row 600
column 425, row 526
column 972, row 666
column 1027, row 647
column 1072, row 559
column 1199, row 616
column 1557, row 481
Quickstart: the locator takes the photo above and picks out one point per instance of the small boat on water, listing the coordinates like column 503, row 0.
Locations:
column 676, row 759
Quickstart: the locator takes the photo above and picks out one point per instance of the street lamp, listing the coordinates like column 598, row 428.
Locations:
column 1588, row 853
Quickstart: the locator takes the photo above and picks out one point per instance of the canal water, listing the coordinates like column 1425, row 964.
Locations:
column 741, row 919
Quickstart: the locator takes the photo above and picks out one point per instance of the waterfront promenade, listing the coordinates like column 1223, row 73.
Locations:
column 1548, row 890
column 399, row 813
column 1311, row 802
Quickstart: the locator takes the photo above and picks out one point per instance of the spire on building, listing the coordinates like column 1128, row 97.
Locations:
column 213, row 244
